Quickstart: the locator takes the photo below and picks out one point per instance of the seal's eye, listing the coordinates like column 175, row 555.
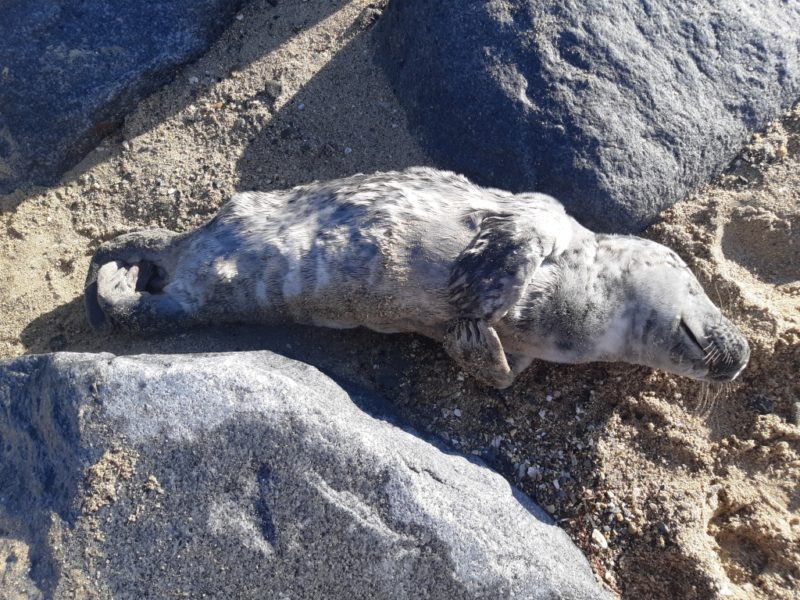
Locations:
column 688, row 333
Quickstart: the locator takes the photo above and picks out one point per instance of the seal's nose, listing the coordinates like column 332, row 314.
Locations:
column 728, row 351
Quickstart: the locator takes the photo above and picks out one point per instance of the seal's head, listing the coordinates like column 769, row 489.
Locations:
column 664, row 319
column 624, row 298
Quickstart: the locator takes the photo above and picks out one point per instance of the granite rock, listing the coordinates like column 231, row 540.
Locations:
column 249, row 475
column 619, row 109
column 71, row 69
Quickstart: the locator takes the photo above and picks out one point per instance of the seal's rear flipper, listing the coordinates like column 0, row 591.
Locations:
column 122, row 299
column 474, row 345
column 126, row 279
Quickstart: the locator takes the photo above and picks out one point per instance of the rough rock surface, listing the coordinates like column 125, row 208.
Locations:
column 248, row 475
column 618, row 109
column 71, row 69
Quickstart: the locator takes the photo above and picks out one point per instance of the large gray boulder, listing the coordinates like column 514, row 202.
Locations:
column 249, row 475
column 617, row 108
column 71, row 69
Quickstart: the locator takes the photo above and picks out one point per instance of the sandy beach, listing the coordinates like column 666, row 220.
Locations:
column 673, row 489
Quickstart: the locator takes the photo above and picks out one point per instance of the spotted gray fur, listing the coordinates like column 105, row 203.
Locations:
column 500, row 279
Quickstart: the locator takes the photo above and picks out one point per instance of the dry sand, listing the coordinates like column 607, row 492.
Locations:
column 693, row 490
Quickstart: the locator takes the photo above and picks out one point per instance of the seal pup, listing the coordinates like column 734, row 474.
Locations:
column 499, row 278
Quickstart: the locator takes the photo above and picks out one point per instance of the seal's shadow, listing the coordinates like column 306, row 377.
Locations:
column 354, row 358
column 401, row 377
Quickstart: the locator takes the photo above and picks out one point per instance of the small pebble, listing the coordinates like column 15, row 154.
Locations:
column 194, row 80
column 301, row 106
column 152, row 485
column 781, row 448
column 457, row 412
column 723, row 589
column 348, row 150
column 239, row 17
column 599, row 539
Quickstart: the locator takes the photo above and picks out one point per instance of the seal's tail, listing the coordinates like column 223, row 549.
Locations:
column 125, row 280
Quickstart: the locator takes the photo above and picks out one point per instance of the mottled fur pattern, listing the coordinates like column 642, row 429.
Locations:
column 423, row 251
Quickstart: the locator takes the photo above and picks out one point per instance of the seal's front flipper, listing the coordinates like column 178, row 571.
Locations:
column 474, row 345
column 489, row 277
column 491, row 274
